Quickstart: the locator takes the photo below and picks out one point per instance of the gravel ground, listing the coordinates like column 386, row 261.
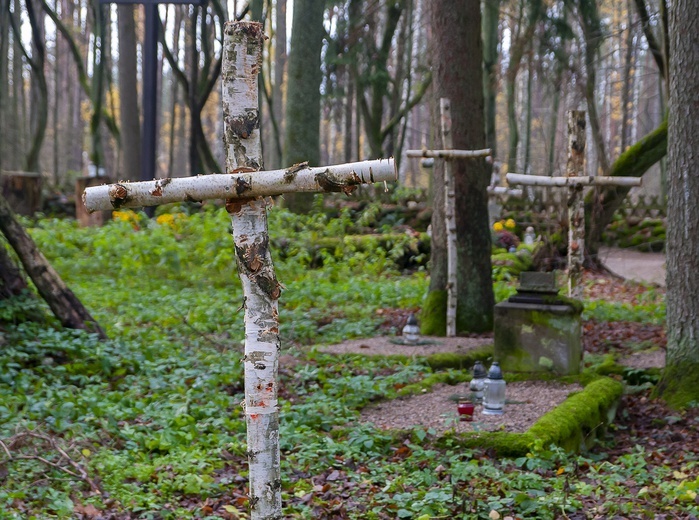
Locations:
column 643, row 360
column 384, row 345
column 526, row 402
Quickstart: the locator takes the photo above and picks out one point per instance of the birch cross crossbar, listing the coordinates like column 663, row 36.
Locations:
column 574, row 180
column 245, row 188
column 300, row 178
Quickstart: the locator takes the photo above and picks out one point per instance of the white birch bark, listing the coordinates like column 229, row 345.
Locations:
column 300, row 178
column 242, row 59
column 576, row 204
column 501, row 191
column 586, row 180
column 449, row 218
column 450, row 154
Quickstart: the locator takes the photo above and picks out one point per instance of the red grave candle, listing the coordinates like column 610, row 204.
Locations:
column 465, row 411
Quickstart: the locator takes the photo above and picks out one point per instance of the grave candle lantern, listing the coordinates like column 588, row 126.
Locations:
column 411, row 331
column 494, row 392
column 477, row 384
column 465, row 410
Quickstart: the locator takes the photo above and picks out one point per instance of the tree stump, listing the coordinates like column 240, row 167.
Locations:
column 85, row 218
column 22, row 190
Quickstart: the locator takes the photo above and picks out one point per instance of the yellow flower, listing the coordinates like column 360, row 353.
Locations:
column 510, row 224
column 166, row 219
column 125, row 216
column 498, row 226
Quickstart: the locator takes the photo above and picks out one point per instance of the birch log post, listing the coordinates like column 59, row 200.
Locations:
column 575, row 167
column 449, row 218
column 242, row 61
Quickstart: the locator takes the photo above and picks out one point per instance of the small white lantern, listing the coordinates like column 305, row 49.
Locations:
column 494, row 392
column 477, row 384
column 411, row 331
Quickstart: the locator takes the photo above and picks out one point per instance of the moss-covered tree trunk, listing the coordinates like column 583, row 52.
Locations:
column 680, row 381
column 458, row 54
column 601, row 204
column 302, row 133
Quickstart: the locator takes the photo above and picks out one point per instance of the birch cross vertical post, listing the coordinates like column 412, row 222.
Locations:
column 449, row 217
column 242, row 60
column 243, row 187
column 575, row 181
column 448, row 154
column 575, row 167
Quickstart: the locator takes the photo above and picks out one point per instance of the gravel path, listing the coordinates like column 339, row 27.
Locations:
column 526, row 402
column 386, row 346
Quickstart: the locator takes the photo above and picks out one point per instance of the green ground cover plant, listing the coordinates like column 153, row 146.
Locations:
column 148, row 424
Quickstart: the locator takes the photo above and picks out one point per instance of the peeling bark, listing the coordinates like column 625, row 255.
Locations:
column 241, row 183
column 449, row 218
column 261, row 290
column 576, row 207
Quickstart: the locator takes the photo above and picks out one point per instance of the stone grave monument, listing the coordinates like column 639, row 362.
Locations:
column 536, row 330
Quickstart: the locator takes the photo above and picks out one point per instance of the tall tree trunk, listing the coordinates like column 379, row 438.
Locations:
column 63, row 303
column 528, row 121
column 457, row 39
column 4, row 77
column 97, row 151
column 12, row 283
column 680, row 380
column 302, row 133
column 128, row 94
column 491, row 17
column 279, row 78
column 627, row 82
column 39, row 90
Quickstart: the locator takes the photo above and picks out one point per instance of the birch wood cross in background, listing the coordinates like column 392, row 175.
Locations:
column 244, row 187
column 575, row 180
column 448, row 154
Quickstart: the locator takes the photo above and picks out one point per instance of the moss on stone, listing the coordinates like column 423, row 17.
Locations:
column 433, row 317
column 679, row 384
column 573, row 425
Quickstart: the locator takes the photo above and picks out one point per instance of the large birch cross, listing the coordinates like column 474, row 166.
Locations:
column 449, row 154
column 574, row 180
column 244, row 188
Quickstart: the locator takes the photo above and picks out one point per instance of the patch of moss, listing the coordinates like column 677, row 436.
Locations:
column 457, row 361
column 572, row 425
column 433, row 317
column 574, row 422
column 679, row 384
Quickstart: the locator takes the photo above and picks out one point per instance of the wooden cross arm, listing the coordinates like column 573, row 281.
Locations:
column 504, row 190
column 450, row 154
column 542, row 180
column 241, row 185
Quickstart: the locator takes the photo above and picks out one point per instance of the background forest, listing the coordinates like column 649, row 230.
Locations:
column 71, row 75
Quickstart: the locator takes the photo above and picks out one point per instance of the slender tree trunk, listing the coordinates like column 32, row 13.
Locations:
column 491, row 17
column 627, row 83
column 4, row 77
column 128, row 94
column 528, row 123
column 63, row 303
column 39, row 90
column 680, row 381
column 261, row 290
column 279, row 78
column 302, row 132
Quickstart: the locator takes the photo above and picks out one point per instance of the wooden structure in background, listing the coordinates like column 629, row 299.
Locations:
column 22, row 190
